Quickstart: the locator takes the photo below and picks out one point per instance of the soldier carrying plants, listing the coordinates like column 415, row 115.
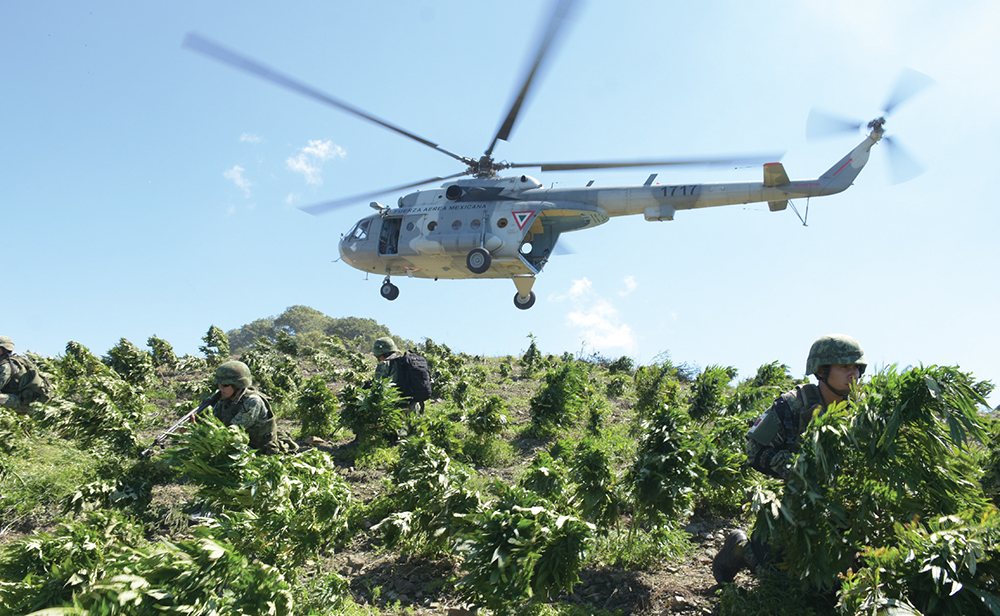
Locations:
column 837, row 361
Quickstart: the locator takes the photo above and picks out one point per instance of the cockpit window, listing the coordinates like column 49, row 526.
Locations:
column 360, row 230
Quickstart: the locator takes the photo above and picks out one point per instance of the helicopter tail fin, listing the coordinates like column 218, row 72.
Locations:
column 774, row 175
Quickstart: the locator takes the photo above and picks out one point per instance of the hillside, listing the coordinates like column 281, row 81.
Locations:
column 532, row 484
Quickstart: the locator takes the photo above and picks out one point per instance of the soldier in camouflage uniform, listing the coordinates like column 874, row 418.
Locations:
column 18, row 388
column 239, row 405
column 838, row 362
column 386, row 352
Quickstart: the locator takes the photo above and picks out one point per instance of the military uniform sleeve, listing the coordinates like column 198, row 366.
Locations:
column 766, row 449
column 388, row 368
column 382, row 369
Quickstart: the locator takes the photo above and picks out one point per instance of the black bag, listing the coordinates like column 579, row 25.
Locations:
column 414, row 377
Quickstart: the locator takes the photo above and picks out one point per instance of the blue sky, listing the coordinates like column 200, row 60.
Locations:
column 147, row 190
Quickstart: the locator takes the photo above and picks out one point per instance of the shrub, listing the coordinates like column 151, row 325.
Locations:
column 134, row 365
column 545, row 477
column 595, row 484
column 518, row 549
column 316, row 408
column 559, row 402
column 656, row 387
column 103, row 409
column 49, row 568
column 489, row 417
column 753, row 396
column 721, row 454
column 372, row 414
column 274, row 374
column 663, row 476
column 280, row 508
column 432, row 494
column 946, row 566
column 531, row 358
column 709, row 392
column 216, row 347
column 162, row 353
column 897, row 455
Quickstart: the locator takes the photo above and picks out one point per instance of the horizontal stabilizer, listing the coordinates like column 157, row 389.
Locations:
column 774, row 175
column 777, row 206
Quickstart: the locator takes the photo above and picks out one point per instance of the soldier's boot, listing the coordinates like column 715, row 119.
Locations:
column 730, row 559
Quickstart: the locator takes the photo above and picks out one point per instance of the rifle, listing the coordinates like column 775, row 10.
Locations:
column 160, row 440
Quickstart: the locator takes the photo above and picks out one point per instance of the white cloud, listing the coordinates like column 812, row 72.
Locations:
column 309, row 161
column 249, row 138
column 596, row 319
column 630, row 285
column 236, row 175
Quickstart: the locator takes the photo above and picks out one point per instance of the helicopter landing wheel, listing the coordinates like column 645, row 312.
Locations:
column 526, row 302
column 479, row 260
column 389, row 291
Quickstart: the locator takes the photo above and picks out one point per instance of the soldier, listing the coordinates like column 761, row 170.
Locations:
column 837, row 361
column 390, row 365
column 239, row 405
column 20, row 383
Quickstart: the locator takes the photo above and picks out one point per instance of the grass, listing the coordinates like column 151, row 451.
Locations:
column 41, row 476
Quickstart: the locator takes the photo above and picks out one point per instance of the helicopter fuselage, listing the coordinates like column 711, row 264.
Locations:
column 518, row 222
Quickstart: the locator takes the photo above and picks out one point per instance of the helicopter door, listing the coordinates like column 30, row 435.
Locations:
column 388, row 239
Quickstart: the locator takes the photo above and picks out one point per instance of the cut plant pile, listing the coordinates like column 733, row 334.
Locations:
column 537, row 484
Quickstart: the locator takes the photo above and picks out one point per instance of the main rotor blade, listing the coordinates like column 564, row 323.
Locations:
column 903, row 166
column 328, row 206
column 822, row 124
column 704, row 162
column 206, row 47
column 561, row 11
column 909, row 83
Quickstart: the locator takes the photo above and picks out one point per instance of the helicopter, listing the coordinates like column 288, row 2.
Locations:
column 492, row 226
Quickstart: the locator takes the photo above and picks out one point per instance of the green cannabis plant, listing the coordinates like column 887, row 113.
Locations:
column 709, row 394
column 216, row 347
column 431, row 494
column 373, row 414
column 519, row 549
column 898, row 453
column 664, row 475
column 560, row 402
column 316, row 409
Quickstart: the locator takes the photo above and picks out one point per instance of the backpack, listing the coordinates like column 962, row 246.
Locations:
column 32, row 386
column 414, row 376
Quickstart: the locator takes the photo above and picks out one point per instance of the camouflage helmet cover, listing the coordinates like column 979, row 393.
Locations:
column 6, row 343
column 384, row 346
column 835, row 349
column 234, row 373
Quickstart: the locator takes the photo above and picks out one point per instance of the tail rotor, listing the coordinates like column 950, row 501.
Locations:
column 903, row 166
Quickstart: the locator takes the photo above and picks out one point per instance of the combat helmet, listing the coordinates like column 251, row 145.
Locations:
column 6, row 343
column 384, row 346
column 835, row 349
column 234, row 373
